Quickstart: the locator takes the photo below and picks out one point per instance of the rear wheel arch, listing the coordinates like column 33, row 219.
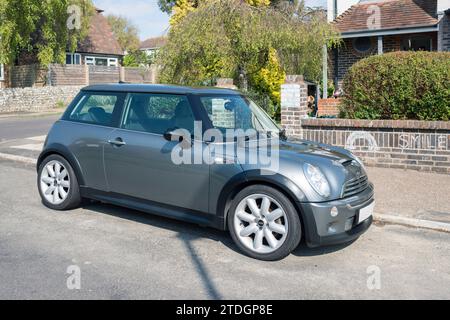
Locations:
column 60, row 150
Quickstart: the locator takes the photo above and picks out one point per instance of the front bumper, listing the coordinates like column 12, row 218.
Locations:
column 322, row 229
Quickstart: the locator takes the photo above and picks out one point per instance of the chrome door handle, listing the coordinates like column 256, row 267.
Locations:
column 118, row 142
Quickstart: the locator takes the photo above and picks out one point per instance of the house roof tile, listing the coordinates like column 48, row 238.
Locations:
column 395, row 14
column 153, row 43
column 100, row 39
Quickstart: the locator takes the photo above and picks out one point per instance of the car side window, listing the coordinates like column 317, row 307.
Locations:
column 96, row 108
column 158, row 113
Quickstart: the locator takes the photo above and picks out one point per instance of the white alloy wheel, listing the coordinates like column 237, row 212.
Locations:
column 260, row 223
column 55, row 182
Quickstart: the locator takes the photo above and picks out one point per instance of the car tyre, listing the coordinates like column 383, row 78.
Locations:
column 58, row 184
column 264, row 223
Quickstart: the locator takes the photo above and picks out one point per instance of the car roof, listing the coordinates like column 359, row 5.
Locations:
column 158, row 88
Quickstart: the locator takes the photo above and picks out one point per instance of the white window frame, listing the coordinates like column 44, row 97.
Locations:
column 73, row 57
column 91, row 61
column 2, row 72
column 113, row 62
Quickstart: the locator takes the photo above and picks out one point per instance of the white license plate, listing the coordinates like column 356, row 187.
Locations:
column 366, row 212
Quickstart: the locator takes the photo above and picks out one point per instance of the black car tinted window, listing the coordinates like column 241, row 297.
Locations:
column 158, row 113
column 97, row 108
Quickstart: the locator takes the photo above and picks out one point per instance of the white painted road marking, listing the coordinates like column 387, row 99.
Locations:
column 38, row 139
column 31, row 147
column 38, row 146
column 13, row 157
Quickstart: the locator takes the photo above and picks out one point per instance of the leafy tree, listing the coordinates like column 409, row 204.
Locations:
column 270, row 77
column 125, row 31
column 42, row 31
column 233, row 39
column 168, row 5
column 181, row 8
column 137, row 58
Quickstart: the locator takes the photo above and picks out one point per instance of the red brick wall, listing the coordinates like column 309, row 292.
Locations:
column 68, row 75
column 140, row 75
column 400, row 144
column 328, row 107
column 32, row 75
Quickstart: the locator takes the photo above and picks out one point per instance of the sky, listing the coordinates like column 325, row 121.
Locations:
column 145, row 14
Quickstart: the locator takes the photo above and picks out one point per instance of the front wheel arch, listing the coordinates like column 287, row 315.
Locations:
column 244, row 180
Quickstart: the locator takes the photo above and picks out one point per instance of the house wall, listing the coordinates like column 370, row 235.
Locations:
column 348, row 56
column 84, row 55
column 445, row 25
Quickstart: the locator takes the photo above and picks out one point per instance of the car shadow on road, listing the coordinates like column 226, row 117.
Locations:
column 304, row 251
column 188, row 233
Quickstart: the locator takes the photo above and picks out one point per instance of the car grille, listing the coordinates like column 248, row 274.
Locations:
column 355, row 186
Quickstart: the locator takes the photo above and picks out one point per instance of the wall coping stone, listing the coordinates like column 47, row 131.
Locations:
column 390, row 124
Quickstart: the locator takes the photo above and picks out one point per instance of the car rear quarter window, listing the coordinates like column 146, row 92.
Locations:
column 97, row 108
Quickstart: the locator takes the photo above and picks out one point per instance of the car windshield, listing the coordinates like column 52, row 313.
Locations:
column 234, row 112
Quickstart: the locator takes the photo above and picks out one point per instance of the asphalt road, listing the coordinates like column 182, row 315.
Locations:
column 19, row 128
column 125, row 254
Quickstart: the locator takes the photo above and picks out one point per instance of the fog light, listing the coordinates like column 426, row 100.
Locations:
column 334, row 212
column 349, row 223
column 332, row 229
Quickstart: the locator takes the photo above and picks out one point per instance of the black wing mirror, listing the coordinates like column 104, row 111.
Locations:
column 179, row 135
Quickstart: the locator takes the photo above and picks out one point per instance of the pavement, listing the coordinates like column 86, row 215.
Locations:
column 125, row 254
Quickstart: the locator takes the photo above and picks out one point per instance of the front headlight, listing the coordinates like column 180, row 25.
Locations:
column 317, row 180
column 359, row 161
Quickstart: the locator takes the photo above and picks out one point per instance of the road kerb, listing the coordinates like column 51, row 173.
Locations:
column 12, row 157
column 413, row 222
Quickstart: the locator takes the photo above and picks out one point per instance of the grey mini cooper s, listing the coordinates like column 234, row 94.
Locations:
column 120, row 144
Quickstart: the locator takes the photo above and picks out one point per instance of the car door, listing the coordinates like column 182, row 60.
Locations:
column 85, row 130
column 139, row 160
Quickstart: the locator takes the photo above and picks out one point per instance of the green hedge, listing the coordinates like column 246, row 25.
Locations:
column 399, row 85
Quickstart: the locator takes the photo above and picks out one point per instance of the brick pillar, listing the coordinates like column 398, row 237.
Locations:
column 122, row 74
column 294, row 104
column 86, row 74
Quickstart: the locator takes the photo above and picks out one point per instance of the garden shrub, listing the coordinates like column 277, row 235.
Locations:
column 399, row 85
column 264, row 101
